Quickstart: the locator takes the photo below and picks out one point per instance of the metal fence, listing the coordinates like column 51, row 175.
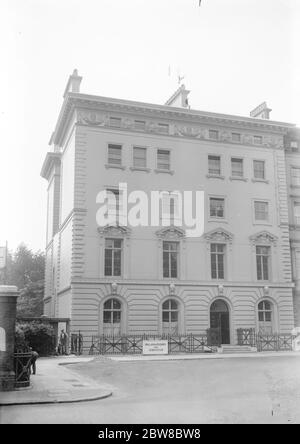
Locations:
column 76, row 345
column 133, row 344
column 265, row 342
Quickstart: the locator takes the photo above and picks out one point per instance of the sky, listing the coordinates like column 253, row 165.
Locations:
column 234, row 54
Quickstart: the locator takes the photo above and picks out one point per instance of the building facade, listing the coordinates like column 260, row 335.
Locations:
column 119, row 279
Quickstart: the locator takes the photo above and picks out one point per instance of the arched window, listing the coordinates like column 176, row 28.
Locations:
column 112, row 312
column 170, row 317
column 265, row 317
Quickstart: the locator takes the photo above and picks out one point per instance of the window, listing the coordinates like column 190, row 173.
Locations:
column 115, row 122
column 217, row 257
column 236, row 137
column 257, row 140
column 262, row 263
column 170, row 208
column 140, row 124
column 294, row 146
column 114, row 154
column 216, row 207
column 139, row 157
column 114, row 205
column 259, row 169
column 112, row 260
column 214, row 165
column 297, row 213
column 295, row 173
column 237, row 167
column 170, row 317
column 163, row 128
column 163, row 160
column 213, row 134
column 261, row 210
column 112, row 317
column 265, row 317
column 170, row 259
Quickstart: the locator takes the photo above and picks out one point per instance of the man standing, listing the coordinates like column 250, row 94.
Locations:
column 63, row 342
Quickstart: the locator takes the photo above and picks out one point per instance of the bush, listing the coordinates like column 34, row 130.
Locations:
column 40, row 336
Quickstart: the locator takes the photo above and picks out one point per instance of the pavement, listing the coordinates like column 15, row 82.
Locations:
column 197, row 356
column 55, row 382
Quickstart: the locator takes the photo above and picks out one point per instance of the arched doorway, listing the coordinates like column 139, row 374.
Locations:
column 219, row 319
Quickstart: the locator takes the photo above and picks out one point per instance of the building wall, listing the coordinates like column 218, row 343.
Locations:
column 190, row 166
column 79, row 281
column 293, row 161
column 141, row 307
column 67, row 178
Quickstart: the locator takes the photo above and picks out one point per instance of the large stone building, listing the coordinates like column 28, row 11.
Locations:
column 124, row 279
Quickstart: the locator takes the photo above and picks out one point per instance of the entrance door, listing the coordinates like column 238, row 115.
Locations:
column 219, row 319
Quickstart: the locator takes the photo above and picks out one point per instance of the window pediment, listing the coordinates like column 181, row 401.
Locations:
column 114, row 231
column 264, row 238
column 219, row 235
column 174, row 233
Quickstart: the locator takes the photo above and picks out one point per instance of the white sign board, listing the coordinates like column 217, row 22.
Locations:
column 296, row 343
column 2, row 340
column 155, row 347
column 2, row 257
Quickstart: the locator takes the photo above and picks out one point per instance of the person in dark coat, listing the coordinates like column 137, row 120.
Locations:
column 34, row 356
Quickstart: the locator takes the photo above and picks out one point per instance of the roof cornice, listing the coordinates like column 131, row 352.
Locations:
column 78, row 100
column 50, row 160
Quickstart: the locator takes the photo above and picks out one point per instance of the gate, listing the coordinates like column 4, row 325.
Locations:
column 265, row 342
column 133, row 344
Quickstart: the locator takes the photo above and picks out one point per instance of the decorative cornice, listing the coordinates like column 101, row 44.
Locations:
column 263, row 237
column 114, row 231
column 219, row 235
column 171, row 232
column 49, row 162
column 91, row 104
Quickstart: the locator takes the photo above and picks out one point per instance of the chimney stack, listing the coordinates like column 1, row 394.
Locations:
column 73, row 84
column 179, row 98
column 261, row 111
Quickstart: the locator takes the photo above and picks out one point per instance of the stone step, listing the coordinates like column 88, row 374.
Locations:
column 237, row 349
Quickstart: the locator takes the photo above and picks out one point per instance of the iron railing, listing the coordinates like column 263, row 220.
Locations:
column 76, row 343
column 133, row 344
column 265, row 342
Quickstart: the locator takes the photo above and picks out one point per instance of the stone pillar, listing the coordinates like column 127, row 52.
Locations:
column 8, row 303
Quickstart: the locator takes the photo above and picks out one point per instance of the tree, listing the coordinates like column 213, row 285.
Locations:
column 30, row 300
column 26, row 269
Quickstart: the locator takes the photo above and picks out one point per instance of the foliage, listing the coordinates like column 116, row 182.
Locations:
column 38, row 335
column 30, row 300
column 25, row 269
